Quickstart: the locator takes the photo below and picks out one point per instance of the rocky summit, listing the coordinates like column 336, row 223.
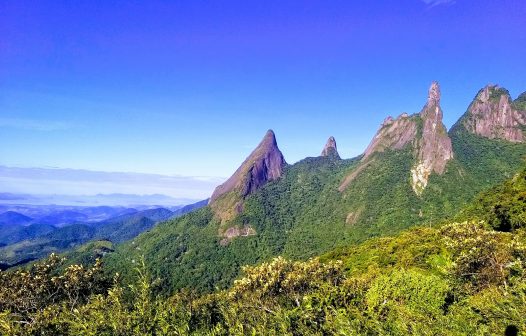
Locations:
column 424, row 131
column 493, row 115
column 264, row 164
column 330, row 149
column 434, row 146
column 393, row 134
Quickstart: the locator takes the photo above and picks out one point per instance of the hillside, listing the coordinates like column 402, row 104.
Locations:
column 413, row 173
column 460, row 278
column 14, row 218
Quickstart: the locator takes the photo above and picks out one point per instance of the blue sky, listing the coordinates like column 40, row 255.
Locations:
column 188, row 88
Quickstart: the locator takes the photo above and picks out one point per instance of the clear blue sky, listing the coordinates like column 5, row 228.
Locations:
column 190, row 87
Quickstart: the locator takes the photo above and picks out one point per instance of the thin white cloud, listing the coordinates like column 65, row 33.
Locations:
column 34, row 125
column 433, row 3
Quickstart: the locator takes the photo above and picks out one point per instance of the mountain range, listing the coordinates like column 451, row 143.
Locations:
column 24, row 239
column 414, row 172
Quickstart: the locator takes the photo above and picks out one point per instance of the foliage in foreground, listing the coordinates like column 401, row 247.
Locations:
column 461, row 279
column 503, row 207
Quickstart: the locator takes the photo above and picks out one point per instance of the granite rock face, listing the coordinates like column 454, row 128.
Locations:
column 264, row 164
column 393, row 134
column 330, row 149
column 434, row 148
column 493, row 115
column 424, row 133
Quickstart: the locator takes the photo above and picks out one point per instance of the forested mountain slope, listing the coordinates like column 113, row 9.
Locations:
column 413, row 173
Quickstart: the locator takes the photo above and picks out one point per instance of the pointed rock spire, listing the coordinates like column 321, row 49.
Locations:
column 330, row 149
column 434, row 147
column 493, row 115
column 424, row 132
column 264, row 164
column 433, row 96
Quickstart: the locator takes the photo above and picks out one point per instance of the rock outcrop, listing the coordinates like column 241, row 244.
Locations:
column 433, row 147
column 330, row 149
column 264, row 164
column 493, row 115
column 393, row 134
column 424, row 132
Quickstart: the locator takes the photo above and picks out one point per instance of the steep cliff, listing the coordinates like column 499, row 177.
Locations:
column 263, row 165
column 393, row 134
column 433, row 147
column 424, row 132
column 494, row 115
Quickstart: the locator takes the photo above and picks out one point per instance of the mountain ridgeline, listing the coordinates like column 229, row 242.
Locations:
column 24, row 239
column 413, row 172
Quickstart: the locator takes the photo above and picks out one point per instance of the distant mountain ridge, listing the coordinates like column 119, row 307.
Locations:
column 23, row 243
column 14, row 218
column 112, row 200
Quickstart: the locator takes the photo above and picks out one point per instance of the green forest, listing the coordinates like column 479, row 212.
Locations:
column 464, row 277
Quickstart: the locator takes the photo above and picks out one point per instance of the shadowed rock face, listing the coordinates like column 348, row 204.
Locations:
column 493, row 115
column 330, row 149
column 264, row 164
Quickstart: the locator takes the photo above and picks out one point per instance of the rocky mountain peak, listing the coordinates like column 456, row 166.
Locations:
column 330, row 149
column 268, row 141
column 493, row 115
column 425, row 132
column 264, row 164
column 434, row 148
column 432, row 108
column 433, row 96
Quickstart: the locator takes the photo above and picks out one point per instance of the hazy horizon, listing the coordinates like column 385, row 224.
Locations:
column 186, row 90
column 81, row 185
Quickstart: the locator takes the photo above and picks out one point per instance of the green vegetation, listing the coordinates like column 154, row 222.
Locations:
column 372, row 259
column 520, row 102
column 497, row 92
column 454, row 279
column 502, row 207
column 37, row 241
column 303, row 214
column 461, row 279
column 487, row 160
column 88, row 253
